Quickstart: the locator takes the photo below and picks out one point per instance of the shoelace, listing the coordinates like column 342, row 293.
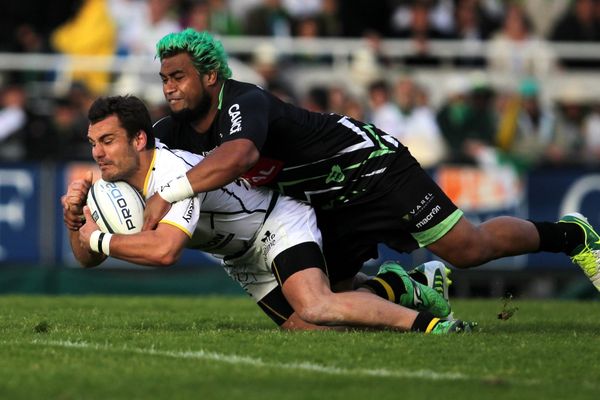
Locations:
column 588, row 260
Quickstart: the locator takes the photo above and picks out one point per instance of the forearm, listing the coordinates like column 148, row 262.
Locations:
column 145, row 248
column 225, row 164
column 86, row 258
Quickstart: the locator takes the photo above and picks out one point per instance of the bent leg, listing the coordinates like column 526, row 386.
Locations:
column 468, row 245
column 309, row 294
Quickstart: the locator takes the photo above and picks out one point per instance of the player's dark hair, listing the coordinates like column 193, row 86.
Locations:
column 131, row 111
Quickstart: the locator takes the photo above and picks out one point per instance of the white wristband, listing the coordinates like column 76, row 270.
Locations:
column 100, row 242
column 176, row 190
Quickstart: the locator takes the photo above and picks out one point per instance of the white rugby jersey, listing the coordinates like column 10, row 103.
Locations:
column 223, row 222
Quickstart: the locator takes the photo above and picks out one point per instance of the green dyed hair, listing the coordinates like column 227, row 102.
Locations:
column 206, row 52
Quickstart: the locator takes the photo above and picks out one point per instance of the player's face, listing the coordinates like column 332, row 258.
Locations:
column 183, row 88
column 114, row 152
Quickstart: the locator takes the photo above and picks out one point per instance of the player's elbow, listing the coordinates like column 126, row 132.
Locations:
column 166, row 257
column 90, row 260
column 88, row 264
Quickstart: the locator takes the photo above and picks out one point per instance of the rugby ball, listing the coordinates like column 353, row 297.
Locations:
column 116, row 207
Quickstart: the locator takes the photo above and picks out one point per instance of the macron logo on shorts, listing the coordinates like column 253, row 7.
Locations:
column 429, row 216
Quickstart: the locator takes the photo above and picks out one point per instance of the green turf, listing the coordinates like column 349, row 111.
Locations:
column 109, row 347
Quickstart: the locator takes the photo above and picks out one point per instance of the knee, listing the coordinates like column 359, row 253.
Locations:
column 462, row 251
column 466, row 255
column 317, row 310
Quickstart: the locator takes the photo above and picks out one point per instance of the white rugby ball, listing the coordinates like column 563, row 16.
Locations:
column 116, row 207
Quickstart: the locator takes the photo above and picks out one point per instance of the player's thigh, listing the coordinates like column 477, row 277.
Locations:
column 290, row 240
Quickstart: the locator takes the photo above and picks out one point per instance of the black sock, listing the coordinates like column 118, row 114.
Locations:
column 557, row 237
column 418, row 276
column 388, row 285
column 422, row 322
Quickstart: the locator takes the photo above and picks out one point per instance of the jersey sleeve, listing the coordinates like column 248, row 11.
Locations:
column 246, row 116
column 184, row 215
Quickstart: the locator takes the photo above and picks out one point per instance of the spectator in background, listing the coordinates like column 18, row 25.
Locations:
column 197, row 16
column 418, row 129
column 472, row 27
column 308, row 29
column 299, row 9
column 68, row 124
column 141, row 23
column 337, row 98
column 269, row 18
column 579, row 24
column 384, row 113
column 267, row 63
column 417, row 27
column 467, row 120
column 211, row 15
column 91, row 32
column 222, row 20
column 154, row 19
column 329, row 20
column 570, row 116
column 528, row 130
column 13, row 121
column 516, row 52
column 58, row 135
column 29, row 40
column 353, row 108
column 591, row 135
column 316, row 99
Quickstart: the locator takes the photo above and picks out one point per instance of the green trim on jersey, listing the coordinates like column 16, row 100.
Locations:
column 337, row 172
column 429, row 236
column 383, row 148
column 221, row 95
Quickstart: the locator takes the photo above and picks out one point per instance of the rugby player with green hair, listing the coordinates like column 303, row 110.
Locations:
column 364, row 185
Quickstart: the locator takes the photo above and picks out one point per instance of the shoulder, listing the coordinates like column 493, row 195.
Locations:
column 242, row 92
column 163, row 127
column 169, row 163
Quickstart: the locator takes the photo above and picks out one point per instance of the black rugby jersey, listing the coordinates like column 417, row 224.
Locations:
column 324, row 159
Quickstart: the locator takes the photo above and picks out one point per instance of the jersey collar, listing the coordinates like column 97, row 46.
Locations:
column 149, row 173
column 221, row 96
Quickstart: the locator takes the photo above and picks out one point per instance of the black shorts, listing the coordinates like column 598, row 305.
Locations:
column 409, row 212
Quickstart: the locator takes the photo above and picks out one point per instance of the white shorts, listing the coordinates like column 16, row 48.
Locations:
column 289, row 224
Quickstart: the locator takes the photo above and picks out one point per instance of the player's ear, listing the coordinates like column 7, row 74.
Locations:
column 140, row 140
column 210, row 78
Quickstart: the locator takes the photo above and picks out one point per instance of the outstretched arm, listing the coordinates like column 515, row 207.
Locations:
column 222, row 166
column 160, row 247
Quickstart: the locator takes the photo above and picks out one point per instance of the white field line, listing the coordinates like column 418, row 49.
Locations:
column 259, row 363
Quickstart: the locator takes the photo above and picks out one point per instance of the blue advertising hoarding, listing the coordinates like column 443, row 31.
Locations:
column 20, row 208
column 32, row 232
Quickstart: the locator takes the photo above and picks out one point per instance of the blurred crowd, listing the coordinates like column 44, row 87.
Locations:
column 473, row 121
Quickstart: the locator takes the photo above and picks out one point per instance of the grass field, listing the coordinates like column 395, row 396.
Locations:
column 109, row 347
